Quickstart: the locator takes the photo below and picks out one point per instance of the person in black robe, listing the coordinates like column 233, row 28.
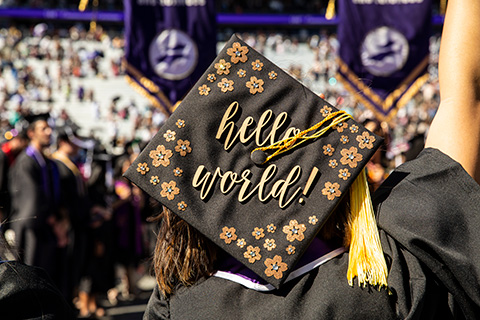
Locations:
column 40, row 230
column 426, row 211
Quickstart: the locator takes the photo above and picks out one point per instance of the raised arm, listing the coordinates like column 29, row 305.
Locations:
column 456, row 127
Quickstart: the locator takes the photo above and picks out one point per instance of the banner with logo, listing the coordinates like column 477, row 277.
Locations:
column 168, row 46
column 384, row 51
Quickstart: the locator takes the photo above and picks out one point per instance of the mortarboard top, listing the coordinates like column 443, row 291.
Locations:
column 200, row 164
column 34, row 117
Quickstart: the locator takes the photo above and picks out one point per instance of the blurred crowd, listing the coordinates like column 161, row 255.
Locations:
column 95, row 224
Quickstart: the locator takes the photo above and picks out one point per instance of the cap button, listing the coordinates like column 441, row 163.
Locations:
column 258, row 157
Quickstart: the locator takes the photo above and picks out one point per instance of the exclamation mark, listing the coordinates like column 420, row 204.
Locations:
column 313, row 174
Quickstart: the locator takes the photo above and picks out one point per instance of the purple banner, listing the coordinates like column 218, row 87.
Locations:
column 384, row 51
column 168, row 47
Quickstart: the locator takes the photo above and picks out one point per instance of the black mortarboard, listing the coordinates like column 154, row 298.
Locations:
column 34, row 117
column 262, row 210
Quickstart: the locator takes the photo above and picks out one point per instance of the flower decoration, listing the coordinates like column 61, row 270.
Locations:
column 143, row 168
column 331, row 190
column 241, row 243
column 332, row 163
column 169, row 135
column 275, row 267
column 354, row 128
column 340, row 126
column 225, row 85
column 328, row 150
column 169, row 190
column 326, row 110
column 211, row 77
column 344, row 174
column 350, row 157
column 255, row 85
column 241, row 73
column 161, row 156
column 271, row 228
column 294, row 231
column 223, row 67
column 272, row 75
column 257, row 65
column 154, row 180
column 269, row 244
column 182, row 206
column 312, row 220
column 228, row 235
column 252, row 254
column 204, row 90
column 180, row 123
column 366, row 140
column 183, row 147
column 344, row 139
column 258, row 233
column 177, row 172
column 290, row 249
column 238, row 53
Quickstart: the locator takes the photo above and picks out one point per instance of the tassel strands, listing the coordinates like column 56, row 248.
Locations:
column 366, row 259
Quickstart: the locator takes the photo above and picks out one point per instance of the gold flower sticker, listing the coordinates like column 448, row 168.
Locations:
column 365, row 140
column 344, row 139
column 326, row 110
column 354, row 128
column 169, row 190
column 312, row 220
column 154, row 180
column 228, row 235
column 332, row 163
column 177, row 172
column 271, row 228
column 211, row 77
column 344, row 174
column 204, row 90
column 328, row 150
column 223, row 67
column 258, row 233
column 183, row 147
column 182, row 206
column 161, row 156
column 272, row 75
column 225, row 85
column 169, row 135
column 350, row 157
column 269, row 244
column 331, row 190
column 340, row 126
column 143, row 168
column 180, row 123
column 252, row 254
column 275, row 267
column 255, row 85
column 241, row 243
column 241, row 73
column 290, row 249
column 238, row 53
column 257, row 65
column 294, row 231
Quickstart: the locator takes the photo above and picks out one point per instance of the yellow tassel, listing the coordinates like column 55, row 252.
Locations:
column 330, row 12
column 366, row 259
column 82, row 5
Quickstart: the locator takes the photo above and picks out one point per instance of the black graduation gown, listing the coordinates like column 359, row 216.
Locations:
column 31, row 207
column 429, row 218
column 28, row 293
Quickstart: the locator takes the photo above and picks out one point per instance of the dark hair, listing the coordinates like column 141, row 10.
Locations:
column 182, row 255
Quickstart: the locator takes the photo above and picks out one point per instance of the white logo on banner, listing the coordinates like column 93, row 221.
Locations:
column 173, row 54
column 384, row 51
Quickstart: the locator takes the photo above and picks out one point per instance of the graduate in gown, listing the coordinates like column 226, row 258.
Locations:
column 266, row 213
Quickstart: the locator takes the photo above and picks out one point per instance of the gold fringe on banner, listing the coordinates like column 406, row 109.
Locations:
column 146, row 94
column 82, row 5
column 330, row 12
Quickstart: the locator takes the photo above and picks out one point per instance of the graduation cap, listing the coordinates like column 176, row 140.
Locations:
column 257, row 163
column 34, row 117
column 69, row 133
